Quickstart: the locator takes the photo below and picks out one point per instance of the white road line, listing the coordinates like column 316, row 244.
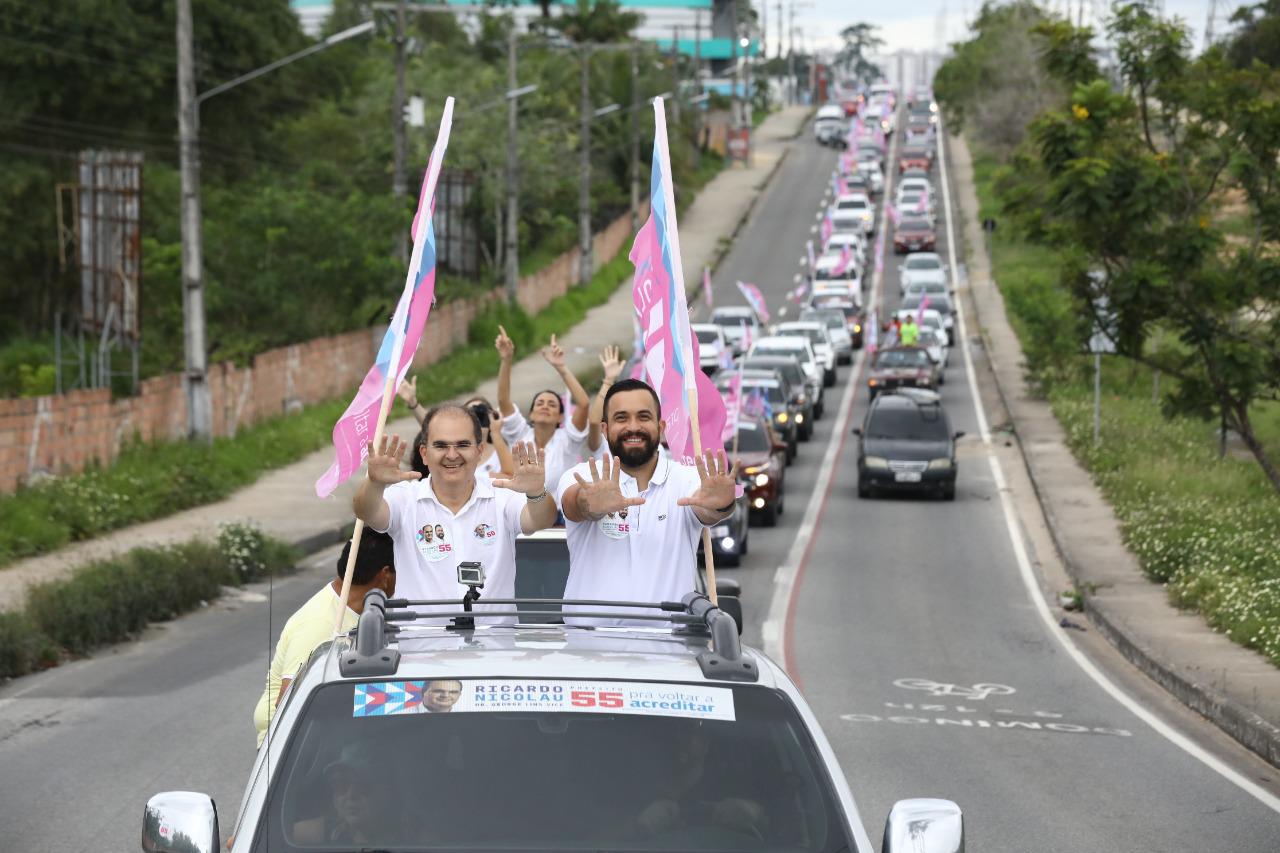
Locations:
column 796, row 278
column 813, row 229
column 774, row 631
column 1028, row 576
column 818, row 215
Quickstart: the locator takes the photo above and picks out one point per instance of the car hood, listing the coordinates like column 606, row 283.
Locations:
column 906, row 449
column 750, row 460
column 887, row 372
column 924, row 275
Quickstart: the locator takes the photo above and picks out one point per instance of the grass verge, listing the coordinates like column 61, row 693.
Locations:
column 1205, row 527
column 111, row 600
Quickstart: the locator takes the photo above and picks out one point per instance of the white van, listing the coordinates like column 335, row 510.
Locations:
column 829, row 123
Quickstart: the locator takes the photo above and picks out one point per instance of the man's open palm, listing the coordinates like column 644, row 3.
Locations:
column 384, row 464
column 718, row 483
column 530, row 476
column 603, row 494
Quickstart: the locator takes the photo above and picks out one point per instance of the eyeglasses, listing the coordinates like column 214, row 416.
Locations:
column 446, row 446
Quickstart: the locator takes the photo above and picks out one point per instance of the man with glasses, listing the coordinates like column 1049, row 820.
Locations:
column 452, row 516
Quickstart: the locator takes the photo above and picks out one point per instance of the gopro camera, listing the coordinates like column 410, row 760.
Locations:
column 471, row 574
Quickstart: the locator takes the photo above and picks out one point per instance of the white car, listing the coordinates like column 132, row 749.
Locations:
column 714, row 350
column 829, row 124
column 870, row 169
column 919, row 268
column 931, row 317
column 913, row 186
column 935, row 341
column 732, row 319
column 858, row 206
column 855, row 240
column 918, row 206
column 837, row 328
column 798, row 348
column 938, row 302
column 827, row 280
column 823, row 348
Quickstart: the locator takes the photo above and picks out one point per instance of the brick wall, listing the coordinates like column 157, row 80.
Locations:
column 64, row 433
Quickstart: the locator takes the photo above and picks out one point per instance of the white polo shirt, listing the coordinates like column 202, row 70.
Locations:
column 565, row 449
column 651, row 554
column 484, row 531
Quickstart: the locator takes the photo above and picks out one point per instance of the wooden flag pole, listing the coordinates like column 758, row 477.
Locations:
column 393, row 365
column 677, row 268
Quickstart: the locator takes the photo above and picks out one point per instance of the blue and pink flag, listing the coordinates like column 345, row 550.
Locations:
column 827, row 228
column 755, row 299
column 706, row 285
column 924, row 306
column 842, row 264
column 894, row 216
column 670, row 350
column 732, row 407
column 362, row 422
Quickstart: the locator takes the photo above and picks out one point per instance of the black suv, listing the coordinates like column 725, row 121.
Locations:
column 906, row 444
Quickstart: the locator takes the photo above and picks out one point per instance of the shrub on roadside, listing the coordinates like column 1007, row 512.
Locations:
column 113, row 599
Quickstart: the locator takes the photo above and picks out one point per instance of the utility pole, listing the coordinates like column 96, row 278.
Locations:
column 675, row 73
column 584, row 164
column 635, row 135
column 399, row 183
column 733, row 47
column 779, row 10
column 794, row 84
column 697, row 85
column 513, row 203
column 199, row 400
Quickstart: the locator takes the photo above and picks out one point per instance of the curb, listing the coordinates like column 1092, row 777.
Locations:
column 1242, row 725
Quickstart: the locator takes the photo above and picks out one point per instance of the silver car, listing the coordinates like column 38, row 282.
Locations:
column 837, row 329
column 544, row 737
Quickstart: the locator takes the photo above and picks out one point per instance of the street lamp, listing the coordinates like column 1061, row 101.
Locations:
column 199, row 399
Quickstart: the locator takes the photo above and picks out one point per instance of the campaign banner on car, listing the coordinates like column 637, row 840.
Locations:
column 463, row 696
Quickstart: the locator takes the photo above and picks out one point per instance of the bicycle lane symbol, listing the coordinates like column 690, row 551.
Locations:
column 938, row 689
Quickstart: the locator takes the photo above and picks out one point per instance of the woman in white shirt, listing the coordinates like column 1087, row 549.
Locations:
column 495, row 454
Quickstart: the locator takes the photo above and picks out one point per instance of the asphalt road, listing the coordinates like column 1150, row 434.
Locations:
column 898, row 610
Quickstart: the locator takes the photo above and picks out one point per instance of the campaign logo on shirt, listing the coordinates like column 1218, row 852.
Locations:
column 433, row 543
column 485, row 533
column 615, row 525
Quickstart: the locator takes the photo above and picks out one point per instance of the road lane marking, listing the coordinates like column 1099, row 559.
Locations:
column 1028, row 576
column 786, row 578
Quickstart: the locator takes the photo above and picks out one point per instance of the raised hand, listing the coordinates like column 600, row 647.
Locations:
column 603, row 494
column 530, row 476
column 611, row 361
column 718, row 486
column 554, row 354
column 384, row 465
column 504, row 345
column 408, row 391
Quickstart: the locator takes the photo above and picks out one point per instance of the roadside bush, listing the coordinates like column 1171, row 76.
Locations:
column 22, row 647
column 114, row 599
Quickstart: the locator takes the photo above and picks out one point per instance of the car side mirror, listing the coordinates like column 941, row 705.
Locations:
column 924, row 826
column 728, row 586
column 857, row 430
column 180, row 822
column 730, row 604
column 780, row 446
column 959, row 434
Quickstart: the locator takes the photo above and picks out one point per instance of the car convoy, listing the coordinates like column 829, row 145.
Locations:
column 668, row 737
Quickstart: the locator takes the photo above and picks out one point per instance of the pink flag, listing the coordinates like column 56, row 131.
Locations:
column 813, row 264
column 733, row 406
column 923, row 202
column 755, row 299
column 880, row 252
column 670, row 350
column 827, row 227
column 842, row 265
column 706, row 285
column 364, row 417
column 892, row 211
column 924, row 304
column 871, row 329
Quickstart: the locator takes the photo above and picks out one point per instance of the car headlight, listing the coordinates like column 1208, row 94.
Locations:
column 762, row 479
column 800, row 417
column 940, row 465
column 857, row 328
column 876, row 462
column 721, row 530
column 727, row 543
column 758, row 503
column 783, row 417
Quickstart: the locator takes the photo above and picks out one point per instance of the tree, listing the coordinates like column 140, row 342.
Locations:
column 1258, row 36
column 1129, row 182
column 859, row 40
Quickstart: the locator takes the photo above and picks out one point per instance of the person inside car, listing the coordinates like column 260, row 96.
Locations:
column 362, row 803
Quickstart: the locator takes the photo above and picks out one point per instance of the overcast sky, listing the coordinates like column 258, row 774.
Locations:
column 915, row 25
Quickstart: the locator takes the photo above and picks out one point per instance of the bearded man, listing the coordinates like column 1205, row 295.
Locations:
column 634, row 521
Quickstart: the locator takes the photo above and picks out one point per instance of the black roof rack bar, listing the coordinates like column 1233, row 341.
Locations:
column 677, row 618
column 668, row 606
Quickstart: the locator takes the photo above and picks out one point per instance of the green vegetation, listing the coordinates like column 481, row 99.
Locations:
column 150, row 481
column 1131, row 184
column 299, row 221
column 111, row 600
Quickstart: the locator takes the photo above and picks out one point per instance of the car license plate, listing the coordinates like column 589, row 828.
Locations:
column 907, row 476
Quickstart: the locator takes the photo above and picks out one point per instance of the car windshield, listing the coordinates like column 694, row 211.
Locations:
column 902, row 358
column 830, row 318
column 751, row 439
column 815, row 336
column 937, row 302
column 707, row 336
column 790, row 368
column 731, row 320
column 916, row 262
column 550, row 765
column 914, row 225
column 914, row 153
column 851, row 204
column 798, row 353
column 918, row 423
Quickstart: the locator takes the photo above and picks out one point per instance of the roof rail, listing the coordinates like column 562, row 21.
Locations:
column 695, row 614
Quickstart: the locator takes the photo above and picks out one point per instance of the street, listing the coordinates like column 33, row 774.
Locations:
column 909, row 623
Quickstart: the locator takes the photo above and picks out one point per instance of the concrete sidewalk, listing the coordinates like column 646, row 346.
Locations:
column 1239, row 690
column 283, row 501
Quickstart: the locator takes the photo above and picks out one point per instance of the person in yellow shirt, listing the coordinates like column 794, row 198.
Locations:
column 312, row 624
column 910, row 331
